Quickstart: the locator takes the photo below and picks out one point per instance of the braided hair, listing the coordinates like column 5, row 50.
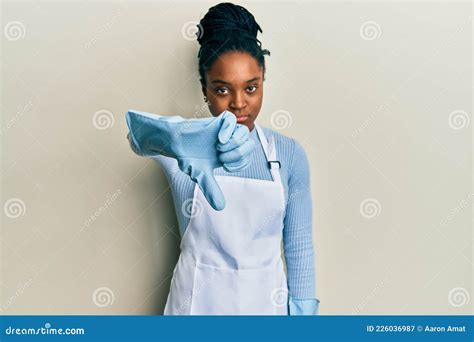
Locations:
column 228, row 27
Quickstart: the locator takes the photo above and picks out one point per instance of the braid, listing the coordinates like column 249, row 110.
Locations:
column 228, row 27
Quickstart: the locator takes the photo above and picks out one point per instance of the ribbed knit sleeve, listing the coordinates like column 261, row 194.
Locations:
column 297, row 236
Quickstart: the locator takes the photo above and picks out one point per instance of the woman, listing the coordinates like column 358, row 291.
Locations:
column 230, row 261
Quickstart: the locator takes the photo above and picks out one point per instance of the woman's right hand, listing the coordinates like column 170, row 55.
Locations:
column 199, row 146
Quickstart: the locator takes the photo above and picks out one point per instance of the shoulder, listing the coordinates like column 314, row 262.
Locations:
column 287, row 147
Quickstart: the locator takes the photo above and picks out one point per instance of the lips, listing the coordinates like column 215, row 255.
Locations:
column 242, row 118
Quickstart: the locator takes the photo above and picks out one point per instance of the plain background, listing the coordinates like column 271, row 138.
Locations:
column 378, row 93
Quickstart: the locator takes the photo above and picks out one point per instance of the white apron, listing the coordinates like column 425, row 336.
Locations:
column 230, row 261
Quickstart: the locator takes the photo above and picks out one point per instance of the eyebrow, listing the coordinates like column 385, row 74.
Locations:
column 224, row 82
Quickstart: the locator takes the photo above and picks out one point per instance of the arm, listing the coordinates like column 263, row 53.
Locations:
column 151, row 134
column 198, row 145
column 297, row 238
column 169, row 164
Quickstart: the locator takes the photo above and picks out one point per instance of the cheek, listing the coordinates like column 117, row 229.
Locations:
column 256, row 101
column 218, row 106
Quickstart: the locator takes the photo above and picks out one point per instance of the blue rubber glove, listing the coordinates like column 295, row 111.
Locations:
column 303, row 307
column 232, row 154
column 199, row 145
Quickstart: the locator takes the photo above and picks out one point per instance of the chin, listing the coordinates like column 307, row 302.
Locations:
column 250, row 125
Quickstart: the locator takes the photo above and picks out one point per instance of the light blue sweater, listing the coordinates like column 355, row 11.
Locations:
column 297, row 231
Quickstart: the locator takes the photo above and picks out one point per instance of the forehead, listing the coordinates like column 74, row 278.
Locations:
column 234, row 67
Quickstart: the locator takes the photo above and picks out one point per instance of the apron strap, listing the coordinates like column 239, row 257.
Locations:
column 270, row 153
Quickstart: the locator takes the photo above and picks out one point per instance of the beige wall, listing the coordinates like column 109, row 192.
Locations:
column 379, row 94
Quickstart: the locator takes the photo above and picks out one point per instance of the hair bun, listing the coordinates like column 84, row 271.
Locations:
column 224, row 19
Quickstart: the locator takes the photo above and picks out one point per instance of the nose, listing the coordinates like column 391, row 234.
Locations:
column 238, row 101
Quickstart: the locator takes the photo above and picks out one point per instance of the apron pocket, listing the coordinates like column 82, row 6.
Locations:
column 225, row 291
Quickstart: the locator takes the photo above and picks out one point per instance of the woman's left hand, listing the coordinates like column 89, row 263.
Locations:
column 235, row 154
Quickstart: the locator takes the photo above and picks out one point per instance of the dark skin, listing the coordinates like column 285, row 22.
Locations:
column 235, row 83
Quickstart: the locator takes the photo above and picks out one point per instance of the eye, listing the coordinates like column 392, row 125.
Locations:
column 221, row 91
column 253, row 88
